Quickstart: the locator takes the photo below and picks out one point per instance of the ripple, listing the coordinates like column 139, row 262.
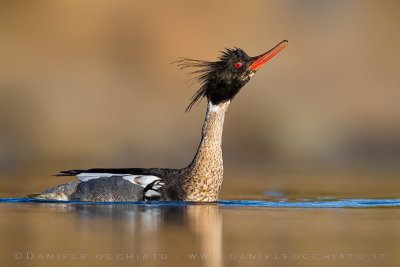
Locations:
column 301, row 203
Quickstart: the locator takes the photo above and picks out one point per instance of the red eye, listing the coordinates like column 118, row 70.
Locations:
column 238, row 65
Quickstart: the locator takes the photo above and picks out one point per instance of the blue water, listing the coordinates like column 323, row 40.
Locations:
column 302, row 203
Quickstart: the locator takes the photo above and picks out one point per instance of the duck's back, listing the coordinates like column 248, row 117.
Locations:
column 107, row 189
column 110, row 185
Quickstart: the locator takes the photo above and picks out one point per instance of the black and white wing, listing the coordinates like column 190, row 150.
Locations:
column 149, row 181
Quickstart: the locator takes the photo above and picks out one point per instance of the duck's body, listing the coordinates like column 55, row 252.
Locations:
column 201, row 180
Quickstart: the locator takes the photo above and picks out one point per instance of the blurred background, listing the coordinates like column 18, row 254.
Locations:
column 89, row 84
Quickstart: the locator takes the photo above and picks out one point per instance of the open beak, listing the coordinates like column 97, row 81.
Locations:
column 261, row 59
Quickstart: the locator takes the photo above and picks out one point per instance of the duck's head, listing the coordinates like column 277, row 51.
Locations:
column 223, row 79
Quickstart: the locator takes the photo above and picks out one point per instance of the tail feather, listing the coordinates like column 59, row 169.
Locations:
column 39, row 196
column 69, row 173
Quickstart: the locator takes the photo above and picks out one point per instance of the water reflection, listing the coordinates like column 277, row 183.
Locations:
column 206, row 222
column 147, row 224
column 229, row 235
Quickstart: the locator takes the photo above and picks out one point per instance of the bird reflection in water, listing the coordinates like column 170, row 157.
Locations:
column 177, row 230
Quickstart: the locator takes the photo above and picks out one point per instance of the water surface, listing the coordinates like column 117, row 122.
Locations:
column 321, row 231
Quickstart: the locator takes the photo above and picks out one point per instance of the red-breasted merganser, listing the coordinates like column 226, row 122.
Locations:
column 201, row 180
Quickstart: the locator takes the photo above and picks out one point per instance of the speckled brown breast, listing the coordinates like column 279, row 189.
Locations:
column 204, row 175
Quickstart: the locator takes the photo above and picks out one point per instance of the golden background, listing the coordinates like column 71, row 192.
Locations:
column 89, row 84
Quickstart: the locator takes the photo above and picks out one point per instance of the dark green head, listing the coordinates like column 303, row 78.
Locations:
column 223, row 79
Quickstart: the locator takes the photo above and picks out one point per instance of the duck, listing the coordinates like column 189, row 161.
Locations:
column 220, row 81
